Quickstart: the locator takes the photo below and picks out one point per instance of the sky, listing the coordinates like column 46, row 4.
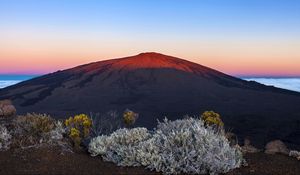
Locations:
column 238, row 37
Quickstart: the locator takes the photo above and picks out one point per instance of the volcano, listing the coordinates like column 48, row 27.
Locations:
column 157, row 85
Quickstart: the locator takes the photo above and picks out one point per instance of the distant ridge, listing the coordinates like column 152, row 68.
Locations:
column 157, row 85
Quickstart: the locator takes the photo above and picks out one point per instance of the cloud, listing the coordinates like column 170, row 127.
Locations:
column 5, row 83
column 285, row 83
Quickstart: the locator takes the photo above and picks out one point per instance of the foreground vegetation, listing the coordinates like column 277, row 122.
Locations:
column 181, row 146
column 197, row 145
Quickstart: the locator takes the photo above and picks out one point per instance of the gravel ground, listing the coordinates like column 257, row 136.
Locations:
column 45, row 160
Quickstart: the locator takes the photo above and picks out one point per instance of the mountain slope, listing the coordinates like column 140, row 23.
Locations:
column 157, row 85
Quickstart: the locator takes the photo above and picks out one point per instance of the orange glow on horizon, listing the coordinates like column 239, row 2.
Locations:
column 39, row 54
column 234, row 37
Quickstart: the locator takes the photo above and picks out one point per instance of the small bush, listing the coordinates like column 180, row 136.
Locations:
column 181, row 146
column 129, row 117
column 212, row 118
column 7, row 110
column 35, row 129
column 58, row 131
column 78, row 128
column 294, row 153
column 5, row 138
column 35, row 124
column 102, row 123
column 118, row 140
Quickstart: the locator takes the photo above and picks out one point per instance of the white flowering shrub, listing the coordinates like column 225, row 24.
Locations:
column 58, row 131
column 181, row 146
column 294, row 153
column 5, row 138
column 124, row 140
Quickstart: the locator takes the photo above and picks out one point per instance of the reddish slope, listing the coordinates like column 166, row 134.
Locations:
column 144, row 61
column 148, row 60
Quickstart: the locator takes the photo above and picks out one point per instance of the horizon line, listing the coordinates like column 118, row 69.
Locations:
column 243, row 76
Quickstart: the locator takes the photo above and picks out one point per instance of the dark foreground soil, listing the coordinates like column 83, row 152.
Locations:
column 42, row 161
column 264, row 164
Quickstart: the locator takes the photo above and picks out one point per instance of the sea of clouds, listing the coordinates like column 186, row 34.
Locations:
column 285, row 83
column 8, row 80
column 5, row 83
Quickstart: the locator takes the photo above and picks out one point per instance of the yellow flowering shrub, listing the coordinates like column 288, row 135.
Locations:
column 129, row 117
column 212, row 118
column 78, row 128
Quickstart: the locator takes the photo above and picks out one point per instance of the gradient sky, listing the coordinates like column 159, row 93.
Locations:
column 243, row 38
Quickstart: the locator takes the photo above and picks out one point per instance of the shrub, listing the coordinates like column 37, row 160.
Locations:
column 102, row 123
column 5, row 138
column 7, row 109
column 181, row 146
column 58, row 131
column 122, row 139
column 212, row 118
column 35, row 124
column 294, row 153
column 130, row 117
column 78, row 128
column 33, row 130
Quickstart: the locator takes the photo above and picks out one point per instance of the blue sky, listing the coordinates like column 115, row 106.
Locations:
column 232, row 36
column 249, row 16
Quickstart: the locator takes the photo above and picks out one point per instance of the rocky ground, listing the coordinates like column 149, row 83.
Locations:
column 47, row 160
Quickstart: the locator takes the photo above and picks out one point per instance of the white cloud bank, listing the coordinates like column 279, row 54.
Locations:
column 5, row 83
column 285, row 83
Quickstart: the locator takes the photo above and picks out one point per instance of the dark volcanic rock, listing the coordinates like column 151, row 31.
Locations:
column 156, row 85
